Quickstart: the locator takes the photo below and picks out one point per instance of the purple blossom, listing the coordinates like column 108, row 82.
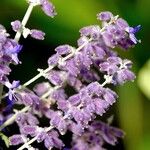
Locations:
column 48, row 8
column 37, row 34
column 16, row 139
column 41, row 88
column 119, row 69
column 23, row 119
column 132, row 31
column 4, row 70
column 64, row 49
column 29, row 130
column 56, row 77
column 96, row 136
column 104, row 16
column 16, row 25
column 53, row 60
column 12, row 87
column 122, row 24
column 86, row 31
column 82, row 69
column 51, row 140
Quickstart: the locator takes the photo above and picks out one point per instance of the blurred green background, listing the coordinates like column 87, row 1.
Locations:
column 133, row 107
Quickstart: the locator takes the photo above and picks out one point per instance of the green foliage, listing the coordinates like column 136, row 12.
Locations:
column 5, row 139
column 144, row 79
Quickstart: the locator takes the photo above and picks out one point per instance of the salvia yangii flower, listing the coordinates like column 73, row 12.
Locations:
column 75, row 92
column 47, row 7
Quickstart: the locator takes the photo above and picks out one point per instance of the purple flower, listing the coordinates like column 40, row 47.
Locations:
column 122, row 24
column 71, row 67
column 48, row 8
column 77, row 95
column 96, row 136
column 41, row 88
column 16, row 139
column 29, row 130
column 86, row 31
column 123, row 75
column 118, row 69
column 41, row 136
column 132, row 31
column 52, row 140
column 77, row 129
column 56, row 77
column 110, row 96
column 26, row 119
column 37, row 34
column 16, row 25
column 64, row 49
column 4, row 70
column 53, row 60
column 74, row 82
column 11, row 49
column 12, row 87
column 104, row 16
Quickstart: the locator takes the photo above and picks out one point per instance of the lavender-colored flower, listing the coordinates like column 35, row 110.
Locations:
column 53, row 60
column 71, row 67
column 122, row 24
column 132, row 31
column 82, row 60
column 28, row 130
column 52, row 140
column 104, row 16
column 57, row 77
column 89, row 75
column 11, row 50
column 4, row 70
column 123, row 75
column 74, row 82
column 77, row 129
column 16, row 139
column 79, row 68
column 41, row 88
column 37, row 34
column 96, row 136
column 119, row 69
column 48, row 8
column 86, row 31
column 110, row 96
column 59, row 94
column 16, row 25
column 64, row 49
column 58, row 122
column 41, row 136
column 23, row 119
column 12, row 87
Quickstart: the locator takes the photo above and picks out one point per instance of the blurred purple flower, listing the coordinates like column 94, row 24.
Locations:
column 37, row 34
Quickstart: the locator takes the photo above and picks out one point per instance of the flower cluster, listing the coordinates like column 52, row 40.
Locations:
column 86, row 70
column 96, row 136
column 9, row 50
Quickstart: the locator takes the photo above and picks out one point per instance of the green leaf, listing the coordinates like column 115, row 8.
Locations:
column 144, row 79
column 5, row 139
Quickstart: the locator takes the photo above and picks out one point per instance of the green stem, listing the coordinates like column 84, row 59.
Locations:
column 24, row 21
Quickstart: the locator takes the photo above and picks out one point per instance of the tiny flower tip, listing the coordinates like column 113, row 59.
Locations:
column 137, row 28
column 15, row 84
